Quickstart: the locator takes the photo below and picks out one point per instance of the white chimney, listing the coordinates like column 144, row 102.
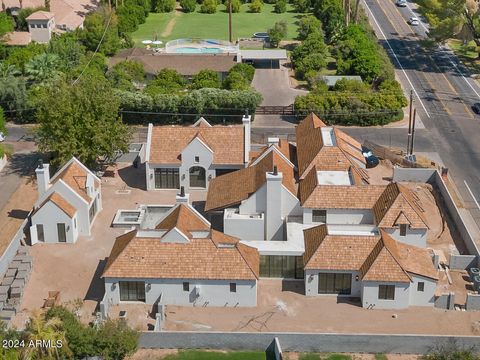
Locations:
column 273, row 212
column 43, row 177
column 89, row 185
column 273, row 141
column 247, row 125
column 181, row 197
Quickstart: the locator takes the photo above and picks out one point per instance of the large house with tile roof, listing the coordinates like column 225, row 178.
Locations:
column 67, row 204
column 382, row 272
column 191, row 156
column 181, row 262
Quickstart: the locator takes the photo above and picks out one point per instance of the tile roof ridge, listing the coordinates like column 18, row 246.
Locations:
column 128, row 238
column 406, row 194
column 391, row 246
column 239, row 247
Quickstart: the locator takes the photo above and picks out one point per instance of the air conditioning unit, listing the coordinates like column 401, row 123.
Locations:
column 473, row 272
column 196, row 291
column 476, row 283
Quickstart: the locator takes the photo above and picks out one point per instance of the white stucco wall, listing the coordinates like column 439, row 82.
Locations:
column 212, row 292
column 342, row 216
column 290, row 204
column 40, row 34
column 245, row 228
column 256, row 203
column 49, row 216
column 205, row 155
column 369, row 294
column 311, row 282
column 415, row 237
column 422, row 298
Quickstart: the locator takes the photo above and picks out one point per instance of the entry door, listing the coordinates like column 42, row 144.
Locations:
column 62, row 235
column 40, row 233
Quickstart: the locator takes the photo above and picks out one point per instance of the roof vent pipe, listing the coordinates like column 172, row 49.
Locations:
column 275, row 170
column 182, row 191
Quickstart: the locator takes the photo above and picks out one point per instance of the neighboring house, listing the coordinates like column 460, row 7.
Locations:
column 182, row 262
column 191, row 156
column 41, row 25
column 68, row 203
column 384, row 273
column 186, row 65
column 331, row 80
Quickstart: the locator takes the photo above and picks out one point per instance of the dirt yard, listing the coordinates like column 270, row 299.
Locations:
column 290, row 310
column 75, row 269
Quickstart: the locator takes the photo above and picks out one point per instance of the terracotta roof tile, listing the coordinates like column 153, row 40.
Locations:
column 75, row 176
column 397, row 205
column 41, row 15
column 226, row 142
column 232, row 188
column 61, row 203
column 150, row 258
column 184, row 219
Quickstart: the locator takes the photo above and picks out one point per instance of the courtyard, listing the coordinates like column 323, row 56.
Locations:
column 177, row 24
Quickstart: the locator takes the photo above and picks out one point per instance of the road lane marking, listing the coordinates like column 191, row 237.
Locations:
column 396, row 58
column 471, row 194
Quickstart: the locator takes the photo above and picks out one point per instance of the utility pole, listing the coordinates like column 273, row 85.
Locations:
column 230, row 21
column 410, row 122
column 413, row 131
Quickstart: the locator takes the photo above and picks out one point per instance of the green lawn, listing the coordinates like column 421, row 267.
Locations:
column 467, row 53
column 215, row 26
column 313, row 356
column 209, row 355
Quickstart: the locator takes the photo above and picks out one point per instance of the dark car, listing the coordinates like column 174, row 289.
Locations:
column 476, row 108
column 370, row 159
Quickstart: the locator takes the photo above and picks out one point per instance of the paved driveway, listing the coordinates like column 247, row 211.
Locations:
column 274, row 85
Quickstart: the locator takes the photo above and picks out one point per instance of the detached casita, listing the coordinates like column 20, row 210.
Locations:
column 182, row 262
column 67, row 205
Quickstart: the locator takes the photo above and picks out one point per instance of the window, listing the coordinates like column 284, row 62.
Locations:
column 386, row 292
column 334, row 283
column 40, row 233
column 167, row 179
column 233, row 287
column 197, row 177
column 186, row 286
column 403, row 229
column 92, row 211
column 132, row 291
column 62, row 234
column 197, row 159
column 75, row 223
column 220, row 172
column 421, row 286
column 275, row 266
column 319, row 216
column 44, row 26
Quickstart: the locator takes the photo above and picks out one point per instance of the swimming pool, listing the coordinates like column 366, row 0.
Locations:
column 197, row 50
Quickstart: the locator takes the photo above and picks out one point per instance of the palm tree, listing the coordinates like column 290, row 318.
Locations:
column 43, row 330
column 43, row 67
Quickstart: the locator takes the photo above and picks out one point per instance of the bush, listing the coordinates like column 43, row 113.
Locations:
column 236, row 4
column 124, row 74
column 209, row 7
column 235, row 81
column 166, row 81
column 206, row 79
column 6, row 23
column 115, row 340
column 3, row 123
column 129, row 17
column 246, row 70
column 188, row 5
column 301, row 6
column 256, row 6
column 280, row 6
column 311, row 62
column 277, row 33
column 307, row 25
column 163, row 6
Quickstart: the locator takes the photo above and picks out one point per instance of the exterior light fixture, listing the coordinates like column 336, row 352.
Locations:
column 357, row 278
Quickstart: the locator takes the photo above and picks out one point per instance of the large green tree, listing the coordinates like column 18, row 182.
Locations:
column 6, row 23
column 126, row 74
column 95, row 24
column 13, row 91
column 80, row 120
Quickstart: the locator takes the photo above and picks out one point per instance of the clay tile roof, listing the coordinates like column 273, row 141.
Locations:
column 311, row 151
column 398, row 205
column 232, row 188
column 184, row 219
column 150, row 258
column 61, row 203
column 335, row 252
column 41, row 15
column 312, row 195
column 17, row 38
column 75, row 176
column 226, row 142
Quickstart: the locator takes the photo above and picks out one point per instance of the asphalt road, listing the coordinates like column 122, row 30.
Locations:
column 444, row 94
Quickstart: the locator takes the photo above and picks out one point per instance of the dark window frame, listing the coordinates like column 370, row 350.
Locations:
column 421, row 286
column 196, row 159
column 319, row 218
column 132, row 291
column 386, row 292
column 233, row 287
column 63, row 233
column 403, row 229
column 166, row 178
column 186, row 286
column 198, row 182
column 335, row 283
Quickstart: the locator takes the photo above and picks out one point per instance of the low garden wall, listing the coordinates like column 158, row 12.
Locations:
column 3, row 162
column 12, row 248
column 462, row 262
column 302, row 342
column 473, row 302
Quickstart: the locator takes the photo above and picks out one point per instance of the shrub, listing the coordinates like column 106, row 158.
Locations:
column 3, row 125
column 209, row 7
column 163, row 6
column 166, row 81
column 307, row 25
column 235, row 81
column 115, row 340
column 246, row 70
column 256, row 6
column 124, row 74
column 277, row 33
column 301, row 6
column 188, row 5
column 280, row 6
column 206, row 79
column 236, row 4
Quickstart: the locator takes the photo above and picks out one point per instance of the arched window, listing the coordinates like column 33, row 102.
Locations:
column 197, row 177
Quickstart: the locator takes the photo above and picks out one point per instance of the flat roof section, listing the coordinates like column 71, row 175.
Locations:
column 276, row 54
column 334, row 178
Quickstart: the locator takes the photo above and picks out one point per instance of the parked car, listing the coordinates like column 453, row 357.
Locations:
column 2, row 137
column 371, row 159
column 401, row 3
column 476, row 108
column 413, row 21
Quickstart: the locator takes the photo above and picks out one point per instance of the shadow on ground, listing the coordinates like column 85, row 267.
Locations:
column 96, row 289
column 133, row 177
column 24, row 164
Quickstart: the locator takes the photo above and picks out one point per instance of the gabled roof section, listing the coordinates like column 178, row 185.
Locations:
column 184, row 218
column 61, row 203
column 75, row 175
column 201, row 123
column 150, row 258
column 232, row 188
column 313, row 237
column 226, row 142
column 341, row 154
column 398, row 205
column 40, row 15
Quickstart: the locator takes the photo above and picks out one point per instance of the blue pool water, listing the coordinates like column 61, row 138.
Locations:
column 194, row 50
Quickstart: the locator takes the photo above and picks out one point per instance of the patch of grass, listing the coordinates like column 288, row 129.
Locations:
column 210, row 355
column 381, row 357
column 313, row 356
column 467, row 53
column 338, row 357
column 215, row 26
column 309, row 357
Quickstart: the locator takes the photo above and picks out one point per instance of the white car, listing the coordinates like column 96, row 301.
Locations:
column 401, row 3
column 2, row 137
column 413, row 21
